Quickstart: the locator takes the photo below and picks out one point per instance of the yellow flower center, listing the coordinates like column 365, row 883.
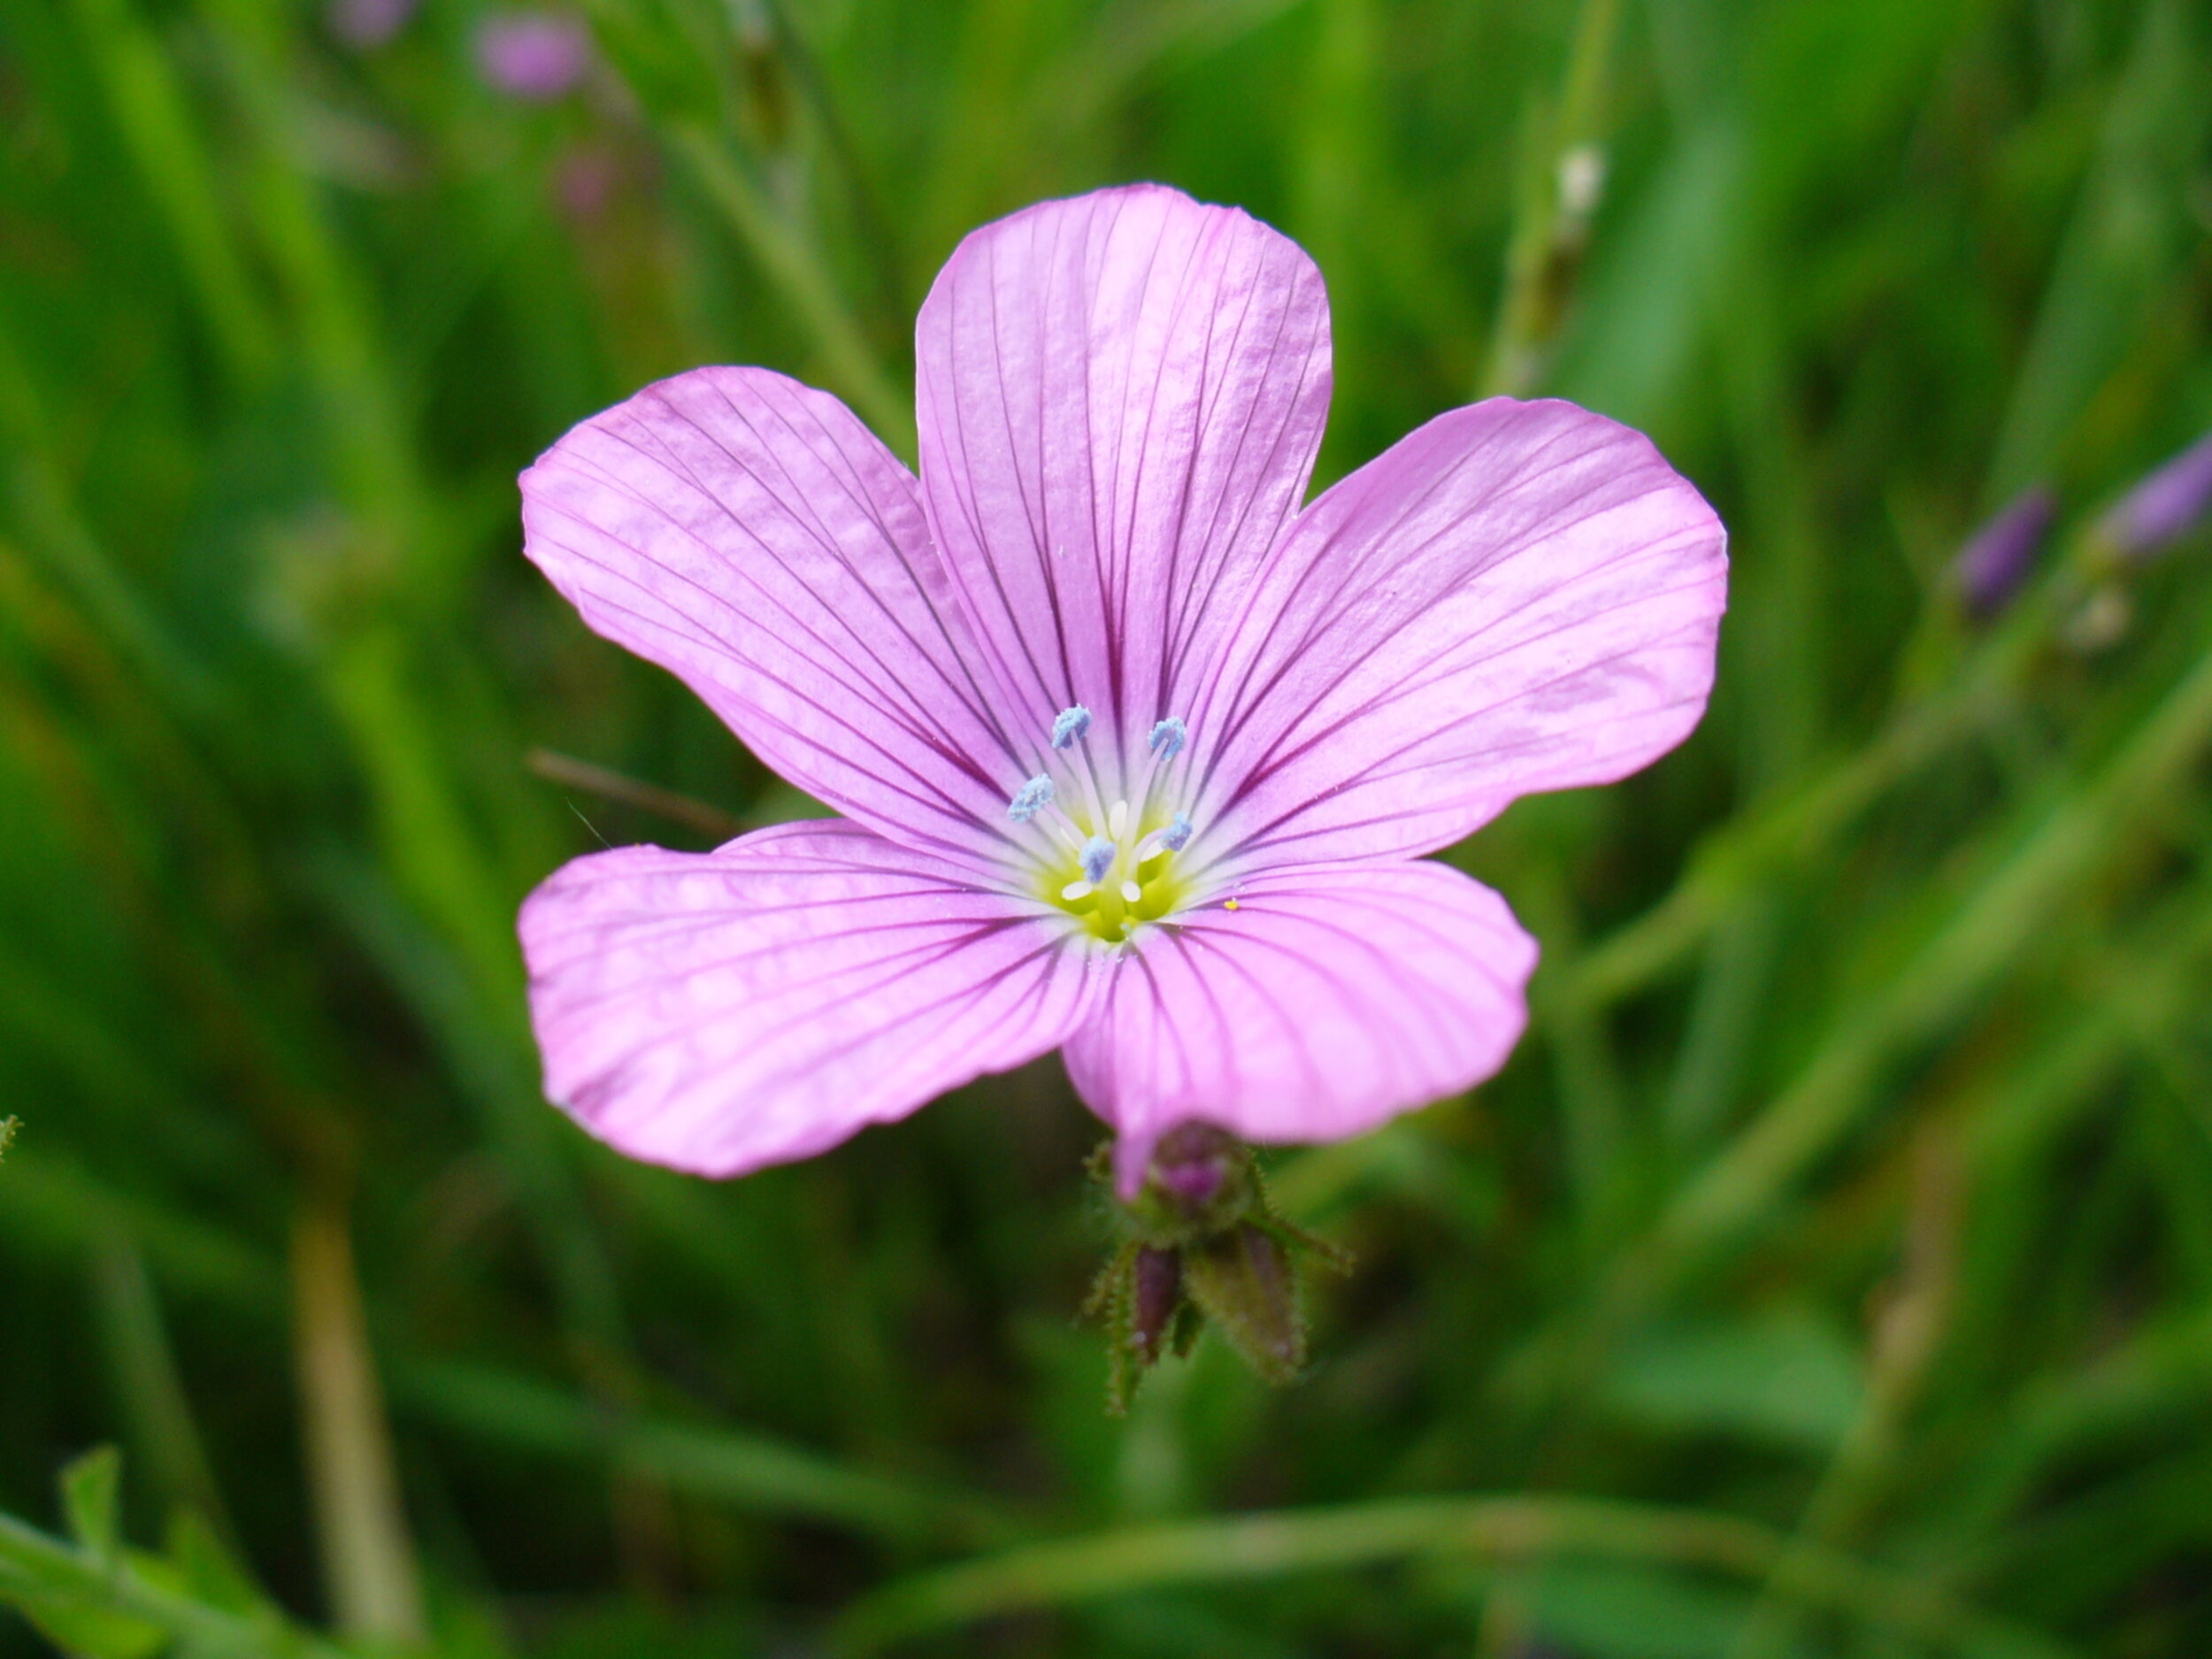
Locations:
column 1122, row 876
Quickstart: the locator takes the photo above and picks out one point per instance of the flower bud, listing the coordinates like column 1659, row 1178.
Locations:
column 1199, row 1179
column 1997, row 558
column 2164, row 507
column 1201, row 1242
column 1191, row 1164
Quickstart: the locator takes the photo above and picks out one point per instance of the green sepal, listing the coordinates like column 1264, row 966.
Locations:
column 1112, row 1298
column 1338, row 1259
column 1242, row 1280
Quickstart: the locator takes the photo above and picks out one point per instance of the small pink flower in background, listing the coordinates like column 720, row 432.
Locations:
column 535, row 56
column 366, row 24
column 1138, row 759
column 585, row 181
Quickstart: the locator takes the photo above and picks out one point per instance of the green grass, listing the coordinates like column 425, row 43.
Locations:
column 1831, row 1272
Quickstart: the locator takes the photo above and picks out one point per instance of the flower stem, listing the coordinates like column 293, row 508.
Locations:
column 1552, row 222
column 368, row 1561
column 791, row 261
column 1487, row 1528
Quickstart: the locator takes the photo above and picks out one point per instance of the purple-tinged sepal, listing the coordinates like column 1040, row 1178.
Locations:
column 1155, row 1303
column 1242, row 1280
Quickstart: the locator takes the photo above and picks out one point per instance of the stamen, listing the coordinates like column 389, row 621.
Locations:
column 1163, row 746
column 1170, row 838
column 1069, row 725
column 1031, row 799
column 1069, row 728
column 1109, row 892
column 1098, row 858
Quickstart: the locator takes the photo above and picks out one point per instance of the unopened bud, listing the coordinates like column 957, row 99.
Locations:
column 2164, row 507
column 1996, row 560
column 1201, row 1242
column 1195, row 1166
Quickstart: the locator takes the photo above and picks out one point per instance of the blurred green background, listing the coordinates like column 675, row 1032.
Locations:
column 1830, row 1273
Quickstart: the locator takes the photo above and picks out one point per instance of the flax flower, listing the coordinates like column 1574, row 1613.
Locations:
column 1136, row 755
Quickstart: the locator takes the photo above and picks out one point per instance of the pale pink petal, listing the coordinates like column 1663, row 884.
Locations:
column 1329, row 1000
column 1120, row 398
column 749, row 534
column 720, row 1011
column 1517, row 597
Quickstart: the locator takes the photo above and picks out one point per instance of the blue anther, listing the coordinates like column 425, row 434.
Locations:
column 1098, row 858
column 1169, row 737
column 1176, row 836
column 1031, row 799
column 1069, row 725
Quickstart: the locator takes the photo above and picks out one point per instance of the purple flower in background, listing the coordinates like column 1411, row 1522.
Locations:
column 364, row 24
column 1138, row 759
column 1990, row 568
column 585, row 182
column 2165, row 506
column 536, row 55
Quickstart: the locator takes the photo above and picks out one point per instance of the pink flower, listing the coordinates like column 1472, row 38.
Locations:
column 534, row 55
column 1137, row 757
column 366, row 24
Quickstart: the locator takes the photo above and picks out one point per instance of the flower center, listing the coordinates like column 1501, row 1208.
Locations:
column 1108, row 858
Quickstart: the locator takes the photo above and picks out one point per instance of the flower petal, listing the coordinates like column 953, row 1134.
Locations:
column 1328, row 1001
column 1517, row 597
column 1120, row 398
column 749, row 534
column 720, row 1011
